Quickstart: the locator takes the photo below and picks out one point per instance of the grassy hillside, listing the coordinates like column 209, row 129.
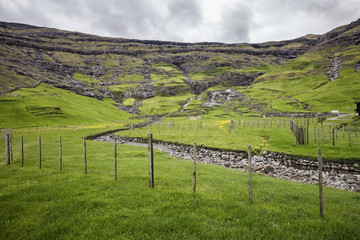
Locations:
column 47, row 105
column 305, row 80
column 46, row 203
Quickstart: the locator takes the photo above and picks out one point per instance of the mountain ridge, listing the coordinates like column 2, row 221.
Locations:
column 123, row 69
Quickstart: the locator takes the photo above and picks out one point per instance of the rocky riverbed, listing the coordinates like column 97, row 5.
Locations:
column 343, row 176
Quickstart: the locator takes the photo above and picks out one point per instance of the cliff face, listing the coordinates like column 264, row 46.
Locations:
column 123, row 68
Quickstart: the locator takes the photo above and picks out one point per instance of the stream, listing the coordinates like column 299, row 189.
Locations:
column 271, row 164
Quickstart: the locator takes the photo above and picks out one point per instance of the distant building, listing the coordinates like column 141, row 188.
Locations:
column 357, row 110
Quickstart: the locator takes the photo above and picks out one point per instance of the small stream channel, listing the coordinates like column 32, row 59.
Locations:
column 343, row 176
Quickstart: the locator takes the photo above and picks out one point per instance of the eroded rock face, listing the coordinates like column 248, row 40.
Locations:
column 334, row 69
column 220, row 97
column 133, row 109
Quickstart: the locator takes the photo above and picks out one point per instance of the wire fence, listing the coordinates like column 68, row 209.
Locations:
column 262, row 188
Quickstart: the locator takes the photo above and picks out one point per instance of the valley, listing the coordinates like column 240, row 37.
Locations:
column 57, row 84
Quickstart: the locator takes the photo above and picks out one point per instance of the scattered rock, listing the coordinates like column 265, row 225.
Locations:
column 279, row 165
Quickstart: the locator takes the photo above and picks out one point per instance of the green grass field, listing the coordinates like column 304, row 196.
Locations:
column 264, row 134
column 48, row 204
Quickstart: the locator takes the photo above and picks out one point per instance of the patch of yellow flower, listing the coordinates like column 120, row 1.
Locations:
column 223, row 125
column 262, row 146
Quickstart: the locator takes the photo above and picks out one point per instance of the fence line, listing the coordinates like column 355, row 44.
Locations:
column 151, row 167
column 298, row 132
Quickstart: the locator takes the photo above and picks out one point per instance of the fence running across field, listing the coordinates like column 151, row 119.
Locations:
column 304, row 130
column 268, row 187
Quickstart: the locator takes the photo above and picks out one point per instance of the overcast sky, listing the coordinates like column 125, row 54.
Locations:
column 186, row 20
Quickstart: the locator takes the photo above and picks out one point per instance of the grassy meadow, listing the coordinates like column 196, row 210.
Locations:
column 48, row 204
column 263, row 134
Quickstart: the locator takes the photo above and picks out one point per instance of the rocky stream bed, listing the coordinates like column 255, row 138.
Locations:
column 338, row 175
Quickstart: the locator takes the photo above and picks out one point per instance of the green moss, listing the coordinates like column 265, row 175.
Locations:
column 163, row 105
column 85, row 78
column 129, row 101
column 69, row 59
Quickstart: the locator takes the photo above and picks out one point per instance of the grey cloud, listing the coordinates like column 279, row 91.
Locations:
column 185, row 20
column 23, row 12
column 187, row 11
column 236, row 23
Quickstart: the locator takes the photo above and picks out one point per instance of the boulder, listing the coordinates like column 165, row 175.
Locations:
column 268, row 169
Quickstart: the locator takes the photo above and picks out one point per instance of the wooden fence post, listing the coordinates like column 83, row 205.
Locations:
column 10, row 146
column 350, row 136
column 336, row 132
column 194, row 168
column 315, row 133
column 307, row 131
column 115, row 160
column 320, row 183
column 151, row 160
column 84, row 147
column 250, row 174
column 60, row 154
column 333, row 136
column 39, row 152
column 7, row 147
column 22, row 151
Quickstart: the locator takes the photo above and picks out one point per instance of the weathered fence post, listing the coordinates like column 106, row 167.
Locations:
column 194, row 168
column 307, row 131
column 336, row 132
column 333, row 136
column 115, row 160
column 84, row 147
column 320, row 183
column 7, row 147
column 60, row 154
column 350, row 136
column 39, row 152
column 250, row 174
column 11, row 152
column 315, row 133
column 22, row 151
column 151, row 160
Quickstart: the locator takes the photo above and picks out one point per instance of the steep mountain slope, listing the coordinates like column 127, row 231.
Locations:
column 325, row 78
column 141, row 76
